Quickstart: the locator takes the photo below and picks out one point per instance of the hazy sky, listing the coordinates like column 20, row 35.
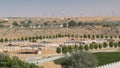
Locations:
column 26, row 8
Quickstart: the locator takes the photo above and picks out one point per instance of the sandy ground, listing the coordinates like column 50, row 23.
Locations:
column 50, row 65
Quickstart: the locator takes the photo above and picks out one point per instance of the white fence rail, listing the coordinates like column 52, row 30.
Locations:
column 111, row 65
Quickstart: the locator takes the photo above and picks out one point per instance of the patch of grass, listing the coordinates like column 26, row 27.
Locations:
column 107, row 57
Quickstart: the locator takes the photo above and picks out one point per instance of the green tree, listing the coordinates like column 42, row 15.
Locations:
column 68, row 35
column 105, row 44
column 81, row 47
column 6, row 40
column 15, row 23
column 95, row 46
column 111, row 44
column 85, row 36
column 40, row 37
column 111, row 37
column 86, row 47
column 70, row 49
column 22, row 39
column 37, row 37
column 102, row 36
column 89, row 36
column 33, row 37
column 64, row 49
column 100, row 46
column 119, row 37
column 59, row 35
column 106, row 36
column 14, row 62
column 49, row 36
column 26, row 38
column 1, row 40
column 97, row 36
column 58, row 50
column 64, row 24
column 91, row 46
column 115, row 45
column 119, row 43
column 78, row 60
column 46, row 36
column 76, row 48
column 72, row 23
column 30, row 38
column 93, row 36
column 80, row 23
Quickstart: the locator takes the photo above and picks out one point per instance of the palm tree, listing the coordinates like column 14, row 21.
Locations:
column 79, row 60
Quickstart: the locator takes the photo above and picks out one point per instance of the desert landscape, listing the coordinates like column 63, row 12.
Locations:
column 59, row 34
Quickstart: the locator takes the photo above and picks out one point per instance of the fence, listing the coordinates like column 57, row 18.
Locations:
column 111, row 65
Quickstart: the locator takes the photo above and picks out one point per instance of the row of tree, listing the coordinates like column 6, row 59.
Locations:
column 74, row 23
column 58, row 36
column 70, row 49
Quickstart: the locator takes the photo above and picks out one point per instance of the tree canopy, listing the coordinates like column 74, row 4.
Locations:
column 78, row 60
column 14, row 62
